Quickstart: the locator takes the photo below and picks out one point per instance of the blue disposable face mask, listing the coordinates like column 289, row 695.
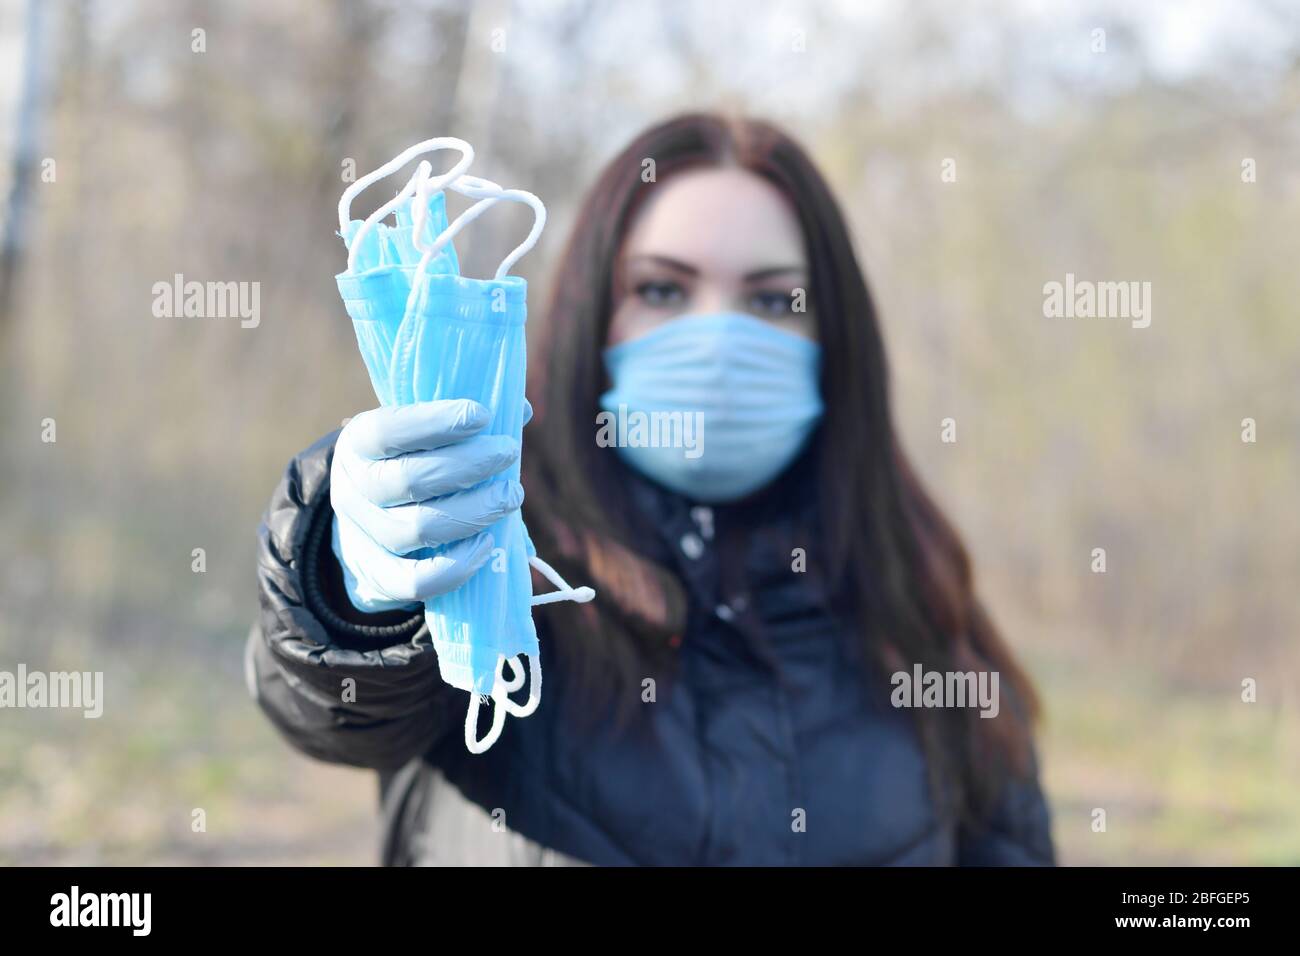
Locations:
column 426, row 333
column 712, row 406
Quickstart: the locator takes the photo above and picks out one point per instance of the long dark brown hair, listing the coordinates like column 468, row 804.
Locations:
column 894, row 568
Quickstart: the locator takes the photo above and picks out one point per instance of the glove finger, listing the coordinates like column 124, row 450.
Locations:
column 402, row 529
column 528, row 411
column 386, row 579
column 449, row 571
column 397, row 429
column 433, row 523
column 431, row 474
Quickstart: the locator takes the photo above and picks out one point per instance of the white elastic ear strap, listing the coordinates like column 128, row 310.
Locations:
column 489, row 194
column 472, row 743
column 397, row 162
column 565, row 593
column 421, row 173
column 437, row 182
column 501, row 690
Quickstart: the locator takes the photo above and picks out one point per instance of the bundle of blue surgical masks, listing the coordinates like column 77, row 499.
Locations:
column 426, row 332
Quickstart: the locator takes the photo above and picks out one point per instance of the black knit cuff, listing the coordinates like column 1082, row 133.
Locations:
column 326, row 596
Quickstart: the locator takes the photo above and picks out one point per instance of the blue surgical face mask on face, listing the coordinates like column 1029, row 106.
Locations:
column 712, row 406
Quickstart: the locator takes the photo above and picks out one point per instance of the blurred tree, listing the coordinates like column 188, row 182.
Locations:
column 23, row 161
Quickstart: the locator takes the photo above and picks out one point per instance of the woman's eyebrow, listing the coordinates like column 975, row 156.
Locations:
column 773, row 271
column 675, row 264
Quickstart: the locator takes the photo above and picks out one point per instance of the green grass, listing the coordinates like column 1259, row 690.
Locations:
column 122, row 789
column 1185, row 776
column 1189, row 777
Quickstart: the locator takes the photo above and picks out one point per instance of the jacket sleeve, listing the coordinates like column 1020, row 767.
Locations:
column 1019, row 830
column 339, row 685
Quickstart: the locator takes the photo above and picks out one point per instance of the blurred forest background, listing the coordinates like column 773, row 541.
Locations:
column 226, row 165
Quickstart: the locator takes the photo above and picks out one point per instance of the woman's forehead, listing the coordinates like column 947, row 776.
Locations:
column 717, row 220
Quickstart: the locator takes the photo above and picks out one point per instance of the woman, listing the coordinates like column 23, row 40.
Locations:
column 730, row 696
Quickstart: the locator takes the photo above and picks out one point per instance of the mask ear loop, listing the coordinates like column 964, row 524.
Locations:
column 565, row 593
column 502, row 692
column 489, row 194
column 501, row 689
column 421, row 173
column 436, row 182
column 396, row 163
column 472, row 743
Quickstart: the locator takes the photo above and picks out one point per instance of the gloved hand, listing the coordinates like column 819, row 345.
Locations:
column 410, row 477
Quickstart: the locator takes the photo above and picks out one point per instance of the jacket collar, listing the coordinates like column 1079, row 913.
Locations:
column 715, row 547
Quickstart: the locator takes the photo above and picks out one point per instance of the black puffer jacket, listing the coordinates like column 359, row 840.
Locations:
column 764, row 752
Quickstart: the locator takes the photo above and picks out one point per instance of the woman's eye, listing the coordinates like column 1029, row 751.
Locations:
column 660, row 294
column 772, row 303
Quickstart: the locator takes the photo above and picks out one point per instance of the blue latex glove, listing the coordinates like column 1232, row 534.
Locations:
column 409, row 477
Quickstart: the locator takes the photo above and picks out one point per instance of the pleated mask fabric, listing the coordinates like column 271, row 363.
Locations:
column 375, row 295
